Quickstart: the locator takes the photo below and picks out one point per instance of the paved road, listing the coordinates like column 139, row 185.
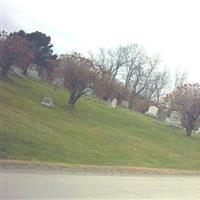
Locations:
column 41, row 184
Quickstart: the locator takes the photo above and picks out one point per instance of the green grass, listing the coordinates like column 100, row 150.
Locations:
column 92, row 134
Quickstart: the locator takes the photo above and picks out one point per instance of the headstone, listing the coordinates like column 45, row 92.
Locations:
column 198, row 130
column 174, row 119
column 125, row 104
column 89, row 92
column 153, row 111
column 59, row 82
column 32, row 72
column 163, row 114
column 16, row 71
column 44, row 74
column 108, row 101
column 114, row 103
column 47, row 101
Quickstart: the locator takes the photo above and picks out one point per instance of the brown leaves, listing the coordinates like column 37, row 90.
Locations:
column 186, row 99
column 78, row 74
column 15, row 50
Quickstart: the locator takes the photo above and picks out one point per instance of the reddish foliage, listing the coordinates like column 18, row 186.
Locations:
column 142, row 105
column 14, row 50
column 109, row 89
column 78, row 74
column 186, row 99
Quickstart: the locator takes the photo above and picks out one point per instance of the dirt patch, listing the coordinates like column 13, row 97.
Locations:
column 12, row 164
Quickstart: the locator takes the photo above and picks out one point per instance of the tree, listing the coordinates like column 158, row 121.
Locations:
column 186, row 99
column 142, row 76
column 41, row 47
column 14, row 50
column 78, row 72
column 109, row 89
column 157, row 88
column 131, row 65
column 112, row 59
column 135, row 56
column 104, row 84
column 180, row 78
column 160, row 83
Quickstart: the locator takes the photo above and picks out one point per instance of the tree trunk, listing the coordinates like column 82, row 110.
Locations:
column 189, row 131
column 71, row 100
column 25, row 71
column 131, row 102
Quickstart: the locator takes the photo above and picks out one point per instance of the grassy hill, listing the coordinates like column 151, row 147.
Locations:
column 93, row 133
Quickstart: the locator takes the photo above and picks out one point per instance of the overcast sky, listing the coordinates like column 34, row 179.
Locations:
column 170, row 28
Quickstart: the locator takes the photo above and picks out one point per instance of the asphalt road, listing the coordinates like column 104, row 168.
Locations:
column 49, row 184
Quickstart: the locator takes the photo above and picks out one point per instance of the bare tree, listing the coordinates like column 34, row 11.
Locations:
column 135, row 55
column 157, row 88
column 142, row 77
column 111, row 59
column 180, row 78
column 161, row 82
column 131, row 65
column 101, row 58
column 118, row 58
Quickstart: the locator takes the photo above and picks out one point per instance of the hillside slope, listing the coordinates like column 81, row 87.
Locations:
column 91, row 134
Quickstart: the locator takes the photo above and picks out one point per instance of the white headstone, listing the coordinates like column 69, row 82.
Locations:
column 16, row 71
column 198, row 130
column 89, row 91
column 114, row 103
column 32, row 72
column 47, row 101
column 163, row 114
column 174, row 119
column 125, row 104
column 153, row 111
column 59, row 82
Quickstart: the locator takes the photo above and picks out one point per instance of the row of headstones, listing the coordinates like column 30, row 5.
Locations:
column 47, row 101
column 173, row 120
column 114, row 103
column 32, row 71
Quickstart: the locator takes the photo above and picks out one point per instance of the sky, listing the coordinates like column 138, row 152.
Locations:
column 170, row 28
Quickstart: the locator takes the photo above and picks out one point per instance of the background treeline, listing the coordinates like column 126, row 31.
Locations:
column 125, row 73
